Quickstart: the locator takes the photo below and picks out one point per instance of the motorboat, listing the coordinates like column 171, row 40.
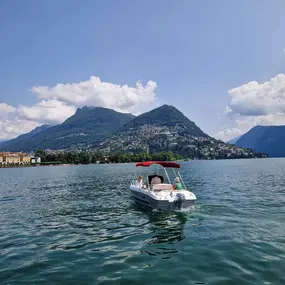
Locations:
column 157, row 194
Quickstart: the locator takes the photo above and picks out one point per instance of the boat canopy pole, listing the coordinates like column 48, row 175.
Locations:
column 167, row 175
column 146, row 174
column 182, row 180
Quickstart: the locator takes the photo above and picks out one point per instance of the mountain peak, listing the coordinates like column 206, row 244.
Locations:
column 85, row 108
column 40, row 129
column 165, row 107
column 166, row 116
column 98, row 108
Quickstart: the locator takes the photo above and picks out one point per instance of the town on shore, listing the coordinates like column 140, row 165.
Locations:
column 52, row 158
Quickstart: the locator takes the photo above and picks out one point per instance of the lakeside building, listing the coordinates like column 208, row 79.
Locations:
column 10, row 158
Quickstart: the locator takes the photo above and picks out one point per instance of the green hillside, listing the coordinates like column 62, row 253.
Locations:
column 86, row 126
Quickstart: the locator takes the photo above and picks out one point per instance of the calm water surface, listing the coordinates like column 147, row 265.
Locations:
column 78, row 225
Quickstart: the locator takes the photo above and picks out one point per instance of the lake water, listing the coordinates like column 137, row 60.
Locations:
column 78, row 225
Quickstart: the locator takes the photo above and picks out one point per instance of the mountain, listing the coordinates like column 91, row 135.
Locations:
column 37, row 130
column 267, row 139
column 165, row 116
column 100, row 129
column 167, row 129
column 27, row 136
column 234, row 140
column 86, row 126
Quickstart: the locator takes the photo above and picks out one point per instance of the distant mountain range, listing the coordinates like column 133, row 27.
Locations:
column 22, row 138
column 267, row 139
column 234, row 140
column 100, row 129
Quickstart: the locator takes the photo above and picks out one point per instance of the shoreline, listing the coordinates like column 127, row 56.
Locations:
column 72, row 164
column 36, row 165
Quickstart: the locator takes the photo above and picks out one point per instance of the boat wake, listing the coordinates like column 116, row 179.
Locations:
column 192, row 208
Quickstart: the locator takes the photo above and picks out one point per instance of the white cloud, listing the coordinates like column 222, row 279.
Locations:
column 228, row 134
column 255, row 104
column 12, row 128
column 254, row 99
column 94, row 92
column 47, row 111
column 5, row 108
column 59, row 102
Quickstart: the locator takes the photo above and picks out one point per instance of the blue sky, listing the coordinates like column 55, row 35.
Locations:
column 195, row 52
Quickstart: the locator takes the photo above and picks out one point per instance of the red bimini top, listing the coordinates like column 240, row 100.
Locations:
column 162, row 163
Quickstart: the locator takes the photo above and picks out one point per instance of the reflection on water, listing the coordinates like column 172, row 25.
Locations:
column 168, row 227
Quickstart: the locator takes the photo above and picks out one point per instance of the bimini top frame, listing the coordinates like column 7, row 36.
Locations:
column 164, row 165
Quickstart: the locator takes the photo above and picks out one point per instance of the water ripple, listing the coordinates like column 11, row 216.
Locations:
column 78, row 225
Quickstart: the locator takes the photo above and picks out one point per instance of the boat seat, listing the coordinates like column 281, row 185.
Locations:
column 151, row 176
column 162, row 186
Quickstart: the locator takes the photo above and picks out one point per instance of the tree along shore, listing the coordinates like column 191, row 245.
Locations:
column 89, row 157
column 86, row 157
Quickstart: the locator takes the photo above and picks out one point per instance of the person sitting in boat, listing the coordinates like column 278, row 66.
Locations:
column 177, row 184
column 155, row 179
column 139, row 183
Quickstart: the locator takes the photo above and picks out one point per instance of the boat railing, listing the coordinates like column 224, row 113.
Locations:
column 182, row 180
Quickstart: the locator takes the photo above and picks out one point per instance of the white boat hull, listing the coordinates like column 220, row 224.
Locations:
column 166, row 200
